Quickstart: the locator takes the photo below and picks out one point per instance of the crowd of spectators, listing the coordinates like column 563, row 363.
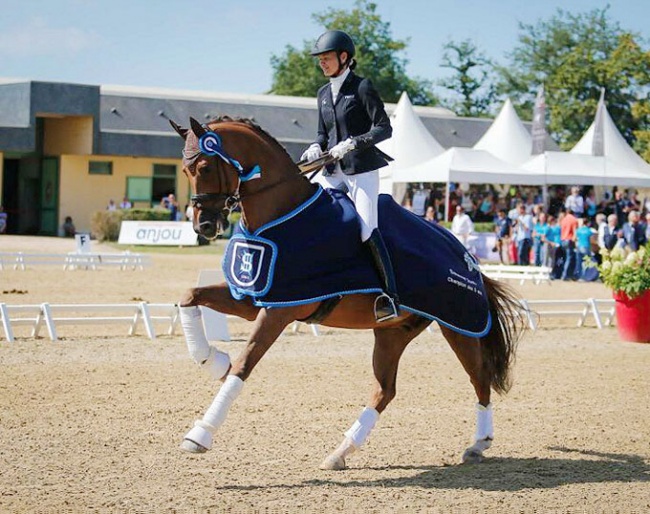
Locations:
column 560, row 233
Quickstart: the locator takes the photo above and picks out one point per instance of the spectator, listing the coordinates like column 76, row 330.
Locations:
column 621, row 206
column 125, row 204
column 591, row 205
column 575, row 202
column 553, row 246
column 568, row 227
column 486, row 208
column 68, row 229
column 189, row 212
column 3, row 220
column 539, row 237
column 609, row 233
column 583, row 246
column 169, row 202
column 523, row 235
column 461, row 225
column 502, row 227
column 430, row 215
column 647, row 226
column 634, row 231
column 111, row 205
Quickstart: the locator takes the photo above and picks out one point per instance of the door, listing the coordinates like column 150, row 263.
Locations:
column 49, row 196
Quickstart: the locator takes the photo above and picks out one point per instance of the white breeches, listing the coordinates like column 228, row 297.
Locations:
column 363, row 189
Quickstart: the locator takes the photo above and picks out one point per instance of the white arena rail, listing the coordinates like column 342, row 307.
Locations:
column 537, row 274
column 53, row 315
column 564, row 308
column 74, row 260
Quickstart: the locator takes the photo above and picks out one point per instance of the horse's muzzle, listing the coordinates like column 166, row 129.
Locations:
column 211, row 227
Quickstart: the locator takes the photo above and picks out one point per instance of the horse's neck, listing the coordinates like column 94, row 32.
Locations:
column 266, row 202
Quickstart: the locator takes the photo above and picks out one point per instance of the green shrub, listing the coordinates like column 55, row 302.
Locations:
column 105, row 225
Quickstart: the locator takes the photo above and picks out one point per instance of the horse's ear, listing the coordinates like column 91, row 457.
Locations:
column 197, row 128
column 180, row 130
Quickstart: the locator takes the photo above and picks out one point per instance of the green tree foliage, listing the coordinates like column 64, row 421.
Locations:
column 297, row 73
column 574, row 56
column 471, row 80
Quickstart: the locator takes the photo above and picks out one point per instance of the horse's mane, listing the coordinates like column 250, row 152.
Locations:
column 250, row 123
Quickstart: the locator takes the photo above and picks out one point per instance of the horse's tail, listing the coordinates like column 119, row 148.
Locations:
column 500, row 343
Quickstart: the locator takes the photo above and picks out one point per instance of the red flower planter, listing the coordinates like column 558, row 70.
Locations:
column 633, row 317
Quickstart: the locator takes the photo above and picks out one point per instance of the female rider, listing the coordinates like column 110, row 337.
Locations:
column 351, row 120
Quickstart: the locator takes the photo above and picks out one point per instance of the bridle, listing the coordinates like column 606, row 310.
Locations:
column 210, row 145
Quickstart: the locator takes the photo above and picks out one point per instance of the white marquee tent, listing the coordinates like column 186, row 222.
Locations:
column 410, row 144
column 507, row 137
column 579, row 169
column 615, row 146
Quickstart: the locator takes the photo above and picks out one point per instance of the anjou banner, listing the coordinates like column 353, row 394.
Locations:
column 160, row 233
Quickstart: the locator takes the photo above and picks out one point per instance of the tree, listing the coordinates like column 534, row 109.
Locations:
column 574, row 56
column 471, row 79
column 296, row 72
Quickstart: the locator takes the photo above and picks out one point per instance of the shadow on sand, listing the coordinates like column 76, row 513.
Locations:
column 499, row 474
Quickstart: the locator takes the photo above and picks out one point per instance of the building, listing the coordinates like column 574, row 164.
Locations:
column 67, row 149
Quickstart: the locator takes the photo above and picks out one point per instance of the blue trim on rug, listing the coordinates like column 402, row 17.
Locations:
column 315, row 299
column 292, row 214
column 449, row 326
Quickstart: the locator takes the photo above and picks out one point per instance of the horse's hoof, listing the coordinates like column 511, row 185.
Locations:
column 192, row 447
column 471, row 456
column 333, row 463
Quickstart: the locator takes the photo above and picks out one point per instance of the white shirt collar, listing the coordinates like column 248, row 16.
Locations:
column 337, row 82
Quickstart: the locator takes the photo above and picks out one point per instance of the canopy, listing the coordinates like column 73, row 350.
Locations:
column 574, row 168
column 614, row 146
column 467, row 165
column 507, row 137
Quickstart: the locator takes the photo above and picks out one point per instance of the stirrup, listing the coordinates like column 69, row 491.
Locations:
column 385, row 308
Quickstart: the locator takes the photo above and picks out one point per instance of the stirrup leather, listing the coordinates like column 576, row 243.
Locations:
column 385, row 308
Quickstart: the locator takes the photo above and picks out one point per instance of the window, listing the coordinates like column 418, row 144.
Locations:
column 100, row 167
column 138, row 189
column 164, row 182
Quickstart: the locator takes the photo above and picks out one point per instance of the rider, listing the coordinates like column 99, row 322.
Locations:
column 351, row 120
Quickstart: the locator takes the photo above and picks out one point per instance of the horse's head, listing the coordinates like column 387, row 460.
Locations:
column 215, row 174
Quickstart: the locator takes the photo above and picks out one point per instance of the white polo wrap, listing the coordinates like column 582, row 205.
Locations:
column 228, row 392
column 360, row 430
column 197, row 343
column 484, row 426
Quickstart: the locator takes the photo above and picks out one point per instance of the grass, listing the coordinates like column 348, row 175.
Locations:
column 214, row 248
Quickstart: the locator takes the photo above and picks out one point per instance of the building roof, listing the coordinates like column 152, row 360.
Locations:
column 135, row 121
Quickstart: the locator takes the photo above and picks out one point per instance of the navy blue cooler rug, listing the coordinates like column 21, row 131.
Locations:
column 315, row 253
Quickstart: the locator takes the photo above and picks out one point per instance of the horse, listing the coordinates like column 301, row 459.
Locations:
column 232, row 162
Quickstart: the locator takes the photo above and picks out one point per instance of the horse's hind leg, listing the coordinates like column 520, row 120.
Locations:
column 390, row 343
column 470, row 353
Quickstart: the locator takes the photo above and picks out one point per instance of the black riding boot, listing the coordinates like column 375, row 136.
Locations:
column 387, row 304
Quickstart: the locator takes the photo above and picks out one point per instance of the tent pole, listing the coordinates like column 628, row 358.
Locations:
column 447, row 202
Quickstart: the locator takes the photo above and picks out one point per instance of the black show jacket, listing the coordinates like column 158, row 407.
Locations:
column 358, row 113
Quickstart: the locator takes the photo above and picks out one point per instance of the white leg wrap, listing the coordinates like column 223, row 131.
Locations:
column 217, row 364
column 484, row 426
column 197, row 343
column 201, row 433
column 217, row 412
column 360, row 430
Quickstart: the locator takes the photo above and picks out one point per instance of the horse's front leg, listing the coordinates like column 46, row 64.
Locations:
column 217, row 298
column 269, row 324
column 469, row 352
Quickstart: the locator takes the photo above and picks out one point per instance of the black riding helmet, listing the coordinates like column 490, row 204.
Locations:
column 334, row 40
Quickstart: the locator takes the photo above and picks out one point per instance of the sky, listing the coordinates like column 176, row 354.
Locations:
column 226, row 47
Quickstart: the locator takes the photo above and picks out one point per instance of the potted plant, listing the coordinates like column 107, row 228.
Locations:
column 627, row 274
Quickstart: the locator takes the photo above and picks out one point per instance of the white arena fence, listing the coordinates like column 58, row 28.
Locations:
column 537, row 274
column 50, row 316
column 74, row 260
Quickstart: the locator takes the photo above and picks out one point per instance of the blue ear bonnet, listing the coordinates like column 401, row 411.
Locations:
column 210, row 144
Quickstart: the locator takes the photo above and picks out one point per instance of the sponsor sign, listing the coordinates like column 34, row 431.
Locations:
column 158, row 233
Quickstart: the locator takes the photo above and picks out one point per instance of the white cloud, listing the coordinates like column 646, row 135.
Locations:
column 37, row 38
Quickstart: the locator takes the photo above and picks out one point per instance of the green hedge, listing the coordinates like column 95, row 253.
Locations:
column 105, row 225
column 481, row 226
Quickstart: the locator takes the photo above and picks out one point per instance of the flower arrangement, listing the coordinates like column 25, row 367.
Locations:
column 624, row 271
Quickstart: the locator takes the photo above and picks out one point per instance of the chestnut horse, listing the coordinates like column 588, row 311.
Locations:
column 232, row 162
